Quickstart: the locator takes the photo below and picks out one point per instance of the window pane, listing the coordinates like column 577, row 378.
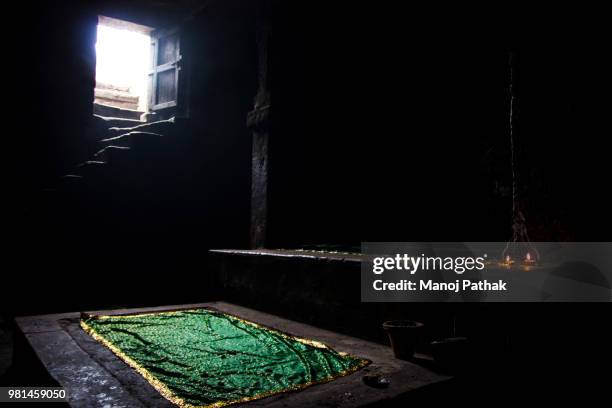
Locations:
column 168, row 47
column 166, row 86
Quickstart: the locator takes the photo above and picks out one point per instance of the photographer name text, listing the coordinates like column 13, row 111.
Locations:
column 432, row 286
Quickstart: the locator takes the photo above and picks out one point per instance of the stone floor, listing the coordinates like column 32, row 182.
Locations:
column 94, row 377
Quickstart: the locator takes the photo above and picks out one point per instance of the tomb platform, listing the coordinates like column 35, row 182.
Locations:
column 93, row 376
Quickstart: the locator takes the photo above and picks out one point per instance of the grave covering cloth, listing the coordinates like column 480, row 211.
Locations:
column 203, row 357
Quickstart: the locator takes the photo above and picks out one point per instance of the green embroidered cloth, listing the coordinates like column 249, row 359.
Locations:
column 208, row 358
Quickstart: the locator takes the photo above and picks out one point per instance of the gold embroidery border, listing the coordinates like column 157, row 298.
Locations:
column 163, row 389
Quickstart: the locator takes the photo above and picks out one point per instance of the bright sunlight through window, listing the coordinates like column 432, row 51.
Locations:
column 122, row 64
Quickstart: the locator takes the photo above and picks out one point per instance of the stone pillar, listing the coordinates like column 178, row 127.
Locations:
column 258, row 120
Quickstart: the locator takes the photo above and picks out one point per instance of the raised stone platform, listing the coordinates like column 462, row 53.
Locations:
column 322, row 288
column 314, row 287
column 94, row 376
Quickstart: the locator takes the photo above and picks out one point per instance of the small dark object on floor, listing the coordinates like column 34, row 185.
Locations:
column 451, row 353
column 376, row 381
column 404, row 336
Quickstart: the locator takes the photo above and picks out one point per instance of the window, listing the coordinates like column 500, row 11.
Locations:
column 123, row 58
column 137, row 71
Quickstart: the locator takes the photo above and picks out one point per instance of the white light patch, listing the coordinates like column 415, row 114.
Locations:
column 122, row 60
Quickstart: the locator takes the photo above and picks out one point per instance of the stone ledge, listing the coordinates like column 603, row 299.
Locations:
column 293, row 253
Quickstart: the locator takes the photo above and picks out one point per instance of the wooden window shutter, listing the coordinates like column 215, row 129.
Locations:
column 166, row 66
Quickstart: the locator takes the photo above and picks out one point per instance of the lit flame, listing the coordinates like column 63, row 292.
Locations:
column 528, row 257
column 508, row 258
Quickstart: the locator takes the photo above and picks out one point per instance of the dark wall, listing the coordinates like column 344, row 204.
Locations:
column 219, row 47
column 563, row 105
column 54, row 82
column 136, row 230
column 394, row 124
